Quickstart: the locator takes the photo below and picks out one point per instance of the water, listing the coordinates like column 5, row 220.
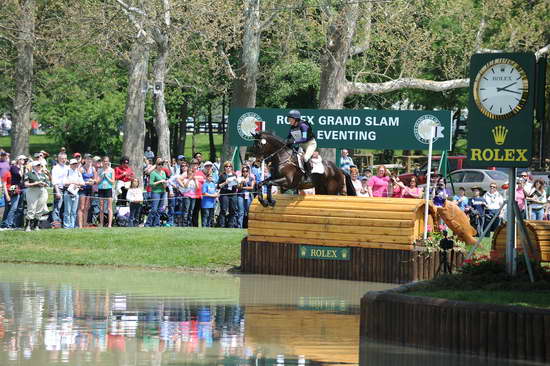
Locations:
column 103, row 316
column 66, row 315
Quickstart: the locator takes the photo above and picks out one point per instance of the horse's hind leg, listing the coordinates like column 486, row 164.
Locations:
column 342, row 185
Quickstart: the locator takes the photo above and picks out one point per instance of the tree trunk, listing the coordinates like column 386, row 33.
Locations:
column 184, row 113
column 134, row 123
column 245, row 86
column 196, row 125
column 161, row 117
column 211, row 134
column 333, row 83
column 23, row 79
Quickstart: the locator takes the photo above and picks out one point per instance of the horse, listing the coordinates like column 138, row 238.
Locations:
column 286, row 172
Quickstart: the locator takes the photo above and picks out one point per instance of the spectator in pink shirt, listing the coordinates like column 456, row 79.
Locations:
column 379, row 183
column 520, row 196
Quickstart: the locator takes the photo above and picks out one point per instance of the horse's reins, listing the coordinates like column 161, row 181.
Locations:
column 276, row 153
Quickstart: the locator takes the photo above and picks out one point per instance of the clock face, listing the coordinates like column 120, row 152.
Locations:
column 501, row 88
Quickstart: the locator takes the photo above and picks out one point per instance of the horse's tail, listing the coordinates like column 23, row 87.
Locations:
column 350, row 189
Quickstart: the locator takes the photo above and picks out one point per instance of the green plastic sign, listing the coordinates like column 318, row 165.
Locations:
column 350, row 129
column 333, row 253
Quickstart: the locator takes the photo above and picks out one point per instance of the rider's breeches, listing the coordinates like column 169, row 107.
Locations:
column 309, row 147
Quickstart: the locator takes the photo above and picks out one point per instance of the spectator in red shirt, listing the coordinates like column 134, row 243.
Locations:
column 200, row 178
column 123, row 176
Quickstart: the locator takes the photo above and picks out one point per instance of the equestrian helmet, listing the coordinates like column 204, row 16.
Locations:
column 294, row 113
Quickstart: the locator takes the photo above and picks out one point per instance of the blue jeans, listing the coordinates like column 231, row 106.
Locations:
column 171, row 210
column 243, row 204
column 69, row 213
column 537, row 213
column 187, row 211
column 228, row 211
column 11, row 211
column 135, row 212
column 157, row 199
column 57, row 205
column 207, row 217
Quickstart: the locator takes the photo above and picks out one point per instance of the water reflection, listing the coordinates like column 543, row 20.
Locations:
column 80, row 316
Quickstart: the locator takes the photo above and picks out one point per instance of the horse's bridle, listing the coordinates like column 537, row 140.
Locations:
column 276, row 153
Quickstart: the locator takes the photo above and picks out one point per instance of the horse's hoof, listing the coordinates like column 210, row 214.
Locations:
column 272, row 203
column 264, row 203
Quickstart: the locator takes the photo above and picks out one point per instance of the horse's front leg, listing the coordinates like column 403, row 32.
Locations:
column 270, row 183
column 260, row 189
column 270, row 199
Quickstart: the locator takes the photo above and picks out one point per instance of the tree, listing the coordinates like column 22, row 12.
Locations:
column 243, row 94
column 19, row 31
column 401, row 40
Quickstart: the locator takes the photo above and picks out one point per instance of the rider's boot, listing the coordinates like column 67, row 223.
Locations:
column 307, row 173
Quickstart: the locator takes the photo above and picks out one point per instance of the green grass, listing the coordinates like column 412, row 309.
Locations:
column 203, row 145
column 46, row 143
column 484, row 247
column 36, row 144
column 185, row 248
column 520, row 298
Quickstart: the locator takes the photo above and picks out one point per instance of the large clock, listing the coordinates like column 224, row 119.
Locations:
column 501, row 88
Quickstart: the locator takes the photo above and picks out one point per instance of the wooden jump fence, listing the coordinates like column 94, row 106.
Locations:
column 539, row 235
column 380, row 234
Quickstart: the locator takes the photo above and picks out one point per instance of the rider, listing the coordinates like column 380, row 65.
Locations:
column 301, row 133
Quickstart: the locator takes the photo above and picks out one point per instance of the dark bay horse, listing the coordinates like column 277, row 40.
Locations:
column 286, row 173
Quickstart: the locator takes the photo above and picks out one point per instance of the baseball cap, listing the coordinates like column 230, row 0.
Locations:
column 181, row 157
column 35, row 163
column 96, row 158
column 208, row 163
column 76, row 155
column 73, row 161
column 21, row 157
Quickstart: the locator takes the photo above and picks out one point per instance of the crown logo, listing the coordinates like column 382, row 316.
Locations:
column 499, row 133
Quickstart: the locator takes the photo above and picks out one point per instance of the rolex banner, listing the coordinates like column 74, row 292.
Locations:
column 347, row 128
column 500, row 110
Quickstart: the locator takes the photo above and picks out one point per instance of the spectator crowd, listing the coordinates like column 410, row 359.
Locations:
column 83, row 190
column 74, row 191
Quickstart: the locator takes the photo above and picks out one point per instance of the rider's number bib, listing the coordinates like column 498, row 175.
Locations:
column 296, row 134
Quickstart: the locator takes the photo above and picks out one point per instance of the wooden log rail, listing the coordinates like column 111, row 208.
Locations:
column 389, row 223
column 539, row 234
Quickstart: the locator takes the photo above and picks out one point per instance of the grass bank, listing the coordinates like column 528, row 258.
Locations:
column 539, row 299
column 483, row 280
column 179, row 248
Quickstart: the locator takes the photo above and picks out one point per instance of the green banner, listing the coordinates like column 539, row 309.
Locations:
column 334, row 253
column 500, row 109
column 349, row 129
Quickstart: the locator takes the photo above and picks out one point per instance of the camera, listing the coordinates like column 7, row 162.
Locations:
column 446, row 243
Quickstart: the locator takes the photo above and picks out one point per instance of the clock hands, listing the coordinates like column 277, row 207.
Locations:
column 509, row 91
column 505, row 88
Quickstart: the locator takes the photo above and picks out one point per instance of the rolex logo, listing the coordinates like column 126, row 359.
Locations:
column 499, row 133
